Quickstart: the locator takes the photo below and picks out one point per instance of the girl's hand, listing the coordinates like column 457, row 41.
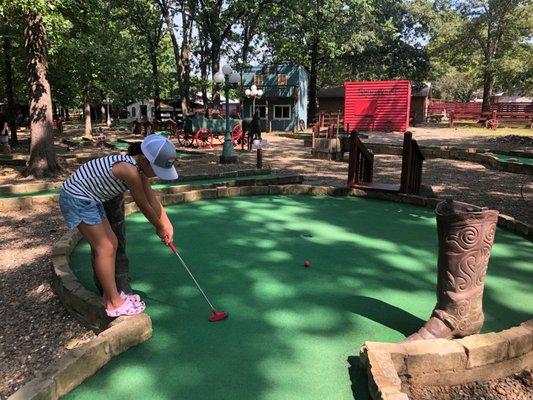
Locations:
column 166, row 234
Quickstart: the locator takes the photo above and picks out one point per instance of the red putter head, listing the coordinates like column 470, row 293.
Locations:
column 218, row 316
column 215, row 315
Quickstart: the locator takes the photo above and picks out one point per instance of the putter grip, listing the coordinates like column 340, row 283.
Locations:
column 172, row 247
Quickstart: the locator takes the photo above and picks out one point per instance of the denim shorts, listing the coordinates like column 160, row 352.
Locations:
column 76, row 210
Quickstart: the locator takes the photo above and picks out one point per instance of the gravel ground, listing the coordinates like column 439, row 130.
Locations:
column 35, row 327
column 36, row 330
column 515, row 387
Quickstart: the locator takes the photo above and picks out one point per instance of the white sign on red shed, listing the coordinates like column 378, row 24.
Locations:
column 377, row 106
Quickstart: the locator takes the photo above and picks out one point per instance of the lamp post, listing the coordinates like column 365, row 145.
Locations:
column 108, row 102
column 227, row 79
column 254, row 94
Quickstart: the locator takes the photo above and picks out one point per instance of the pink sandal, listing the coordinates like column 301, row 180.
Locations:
column 127, row 308
column 133, row 297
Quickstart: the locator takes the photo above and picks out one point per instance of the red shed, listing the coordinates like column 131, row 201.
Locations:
column 377, row 106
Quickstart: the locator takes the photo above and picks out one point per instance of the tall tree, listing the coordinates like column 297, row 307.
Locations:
column 216, row 19
column 188, row 11
column 495, row 26
column 488, row 39
column 148, row 24
column 315, row 34
column 42, row 160
column 181, row 57
column 7, row 48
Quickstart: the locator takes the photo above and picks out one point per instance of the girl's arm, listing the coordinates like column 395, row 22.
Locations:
column 156, row 205
column 131, row 176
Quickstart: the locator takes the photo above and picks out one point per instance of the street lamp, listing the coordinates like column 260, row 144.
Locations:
column 254, row 94
column 108, row 102
column 227, row 79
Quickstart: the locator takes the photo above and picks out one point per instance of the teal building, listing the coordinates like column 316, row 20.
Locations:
column 283, row 106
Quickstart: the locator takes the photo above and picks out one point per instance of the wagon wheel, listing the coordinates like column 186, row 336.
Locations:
column 491, row 124
column 185, row 139
column 203, row 138
column 219, row 137
column 237, row 135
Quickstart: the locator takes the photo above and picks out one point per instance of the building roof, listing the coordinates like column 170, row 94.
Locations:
column 338, row 92
column 334, row 91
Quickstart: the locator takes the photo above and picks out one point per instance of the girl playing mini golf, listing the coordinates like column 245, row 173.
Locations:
column 104, row 178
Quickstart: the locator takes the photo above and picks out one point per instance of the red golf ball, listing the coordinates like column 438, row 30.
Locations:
column 307, row 263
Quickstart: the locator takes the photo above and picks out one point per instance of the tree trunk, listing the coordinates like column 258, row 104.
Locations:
column 170, row 26
column 67, row 115
column 87, row 112
column 155, row 78
column 313, row 75
column 488, row 84
column 8, row 72
column 185, row 64
column 203, row 65
column 42, row 160
column 215, row 66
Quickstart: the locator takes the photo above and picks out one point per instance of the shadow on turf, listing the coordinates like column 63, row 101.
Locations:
column 250, row 270
column 358, row 377
column 386, row 314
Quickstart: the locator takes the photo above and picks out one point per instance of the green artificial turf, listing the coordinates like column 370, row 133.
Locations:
column 154, row 185
column 292, row 333
column 514, row 159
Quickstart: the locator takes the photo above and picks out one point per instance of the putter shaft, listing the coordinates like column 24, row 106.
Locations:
column 175, row 251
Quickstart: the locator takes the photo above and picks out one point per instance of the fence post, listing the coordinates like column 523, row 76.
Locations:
column 406, row 161
column 352, row 160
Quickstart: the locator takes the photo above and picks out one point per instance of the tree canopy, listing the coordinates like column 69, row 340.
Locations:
column 132, row 50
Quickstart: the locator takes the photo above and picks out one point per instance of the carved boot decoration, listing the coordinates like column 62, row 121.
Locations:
column 465, row 235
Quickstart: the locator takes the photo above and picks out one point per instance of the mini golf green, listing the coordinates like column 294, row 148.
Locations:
column 293, row 332
column 513, row 159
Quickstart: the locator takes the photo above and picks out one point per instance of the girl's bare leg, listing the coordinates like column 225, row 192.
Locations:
column 104, row 244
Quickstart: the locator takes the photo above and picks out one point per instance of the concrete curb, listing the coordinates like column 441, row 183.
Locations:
column 440, row 362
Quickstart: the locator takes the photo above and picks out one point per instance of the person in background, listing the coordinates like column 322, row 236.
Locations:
column 4, row 134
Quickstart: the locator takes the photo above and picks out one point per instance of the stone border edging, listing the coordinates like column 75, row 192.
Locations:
column 27, row 202
column 40, row 186
column 115, row 335
column 122, row 333
column 480, row 156
column 442, row 362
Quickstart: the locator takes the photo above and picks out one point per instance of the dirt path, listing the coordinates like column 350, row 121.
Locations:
column 461, row 180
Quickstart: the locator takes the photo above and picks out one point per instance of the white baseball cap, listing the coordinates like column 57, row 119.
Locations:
column 161, row 153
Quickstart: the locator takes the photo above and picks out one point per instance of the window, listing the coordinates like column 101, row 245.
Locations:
column 282, row 112
column 282, row 80
column 269, row 70
column 258, row 80
column 133, row 112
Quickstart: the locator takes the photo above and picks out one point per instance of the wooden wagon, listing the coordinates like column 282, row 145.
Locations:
column 199, row 131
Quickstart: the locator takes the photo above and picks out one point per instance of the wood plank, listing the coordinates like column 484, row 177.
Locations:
column 383, row 187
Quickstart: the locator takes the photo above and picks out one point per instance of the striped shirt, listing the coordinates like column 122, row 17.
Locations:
column 95, row 180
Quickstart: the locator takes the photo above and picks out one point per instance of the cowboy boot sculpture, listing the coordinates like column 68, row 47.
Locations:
column 465, row 235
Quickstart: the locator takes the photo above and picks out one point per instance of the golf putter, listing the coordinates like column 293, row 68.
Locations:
column 215, row 314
